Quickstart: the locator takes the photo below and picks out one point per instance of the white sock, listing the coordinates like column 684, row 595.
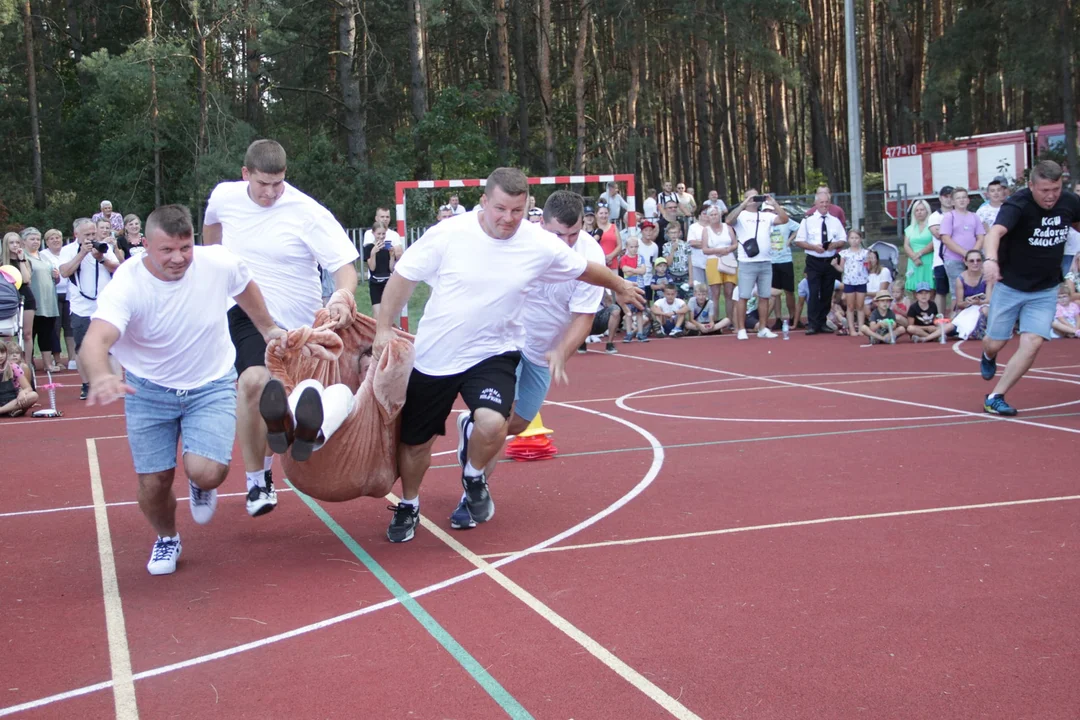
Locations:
column 470, row 471
column 991, row 396
column 468, row 428
column 256, row 478
column 415, row 502
column 268, row 461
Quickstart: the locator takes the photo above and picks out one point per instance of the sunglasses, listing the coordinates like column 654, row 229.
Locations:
column 975, row 260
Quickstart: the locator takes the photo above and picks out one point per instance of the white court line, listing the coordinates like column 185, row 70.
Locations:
column 119, row 657
column 38, row 421
column 797, row 523
column 848, row 393
column 119, row 503
column 645, row 482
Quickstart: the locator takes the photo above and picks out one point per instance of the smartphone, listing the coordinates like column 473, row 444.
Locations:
column 759, row 198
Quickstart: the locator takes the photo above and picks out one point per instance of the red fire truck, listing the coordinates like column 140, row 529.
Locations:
column 969, row 162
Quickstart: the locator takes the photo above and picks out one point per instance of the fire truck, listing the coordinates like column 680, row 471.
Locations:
column 970, row 162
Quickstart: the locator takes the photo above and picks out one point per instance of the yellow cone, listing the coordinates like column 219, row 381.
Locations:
column 536, row 427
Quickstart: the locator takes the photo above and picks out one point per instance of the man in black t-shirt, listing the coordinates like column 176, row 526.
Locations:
column 1023, row 251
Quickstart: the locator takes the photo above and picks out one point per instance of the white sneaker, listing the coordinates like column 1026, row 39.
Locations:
column 203, row 503
column 164, row 556
column 72, row 365
column 765, row 333
column 742, row 335
column 261, row 500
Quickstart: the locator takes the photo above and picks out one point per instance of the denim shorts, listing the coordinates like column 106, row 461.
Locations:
column 157, row 417
column 755, row 274
column 1035, row 311
column 533, row 382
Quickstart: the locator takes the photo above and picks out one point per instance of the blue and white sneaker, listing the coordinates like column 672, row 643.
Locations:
column 997, row 406
column 202, row 503
column 461, row 519
column 464, row 420
column 477, row 498
column 987, row 367
column 164, row 556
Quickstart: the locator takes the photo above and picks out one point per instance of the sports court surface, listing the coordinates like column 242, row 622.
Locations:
column 725, row 533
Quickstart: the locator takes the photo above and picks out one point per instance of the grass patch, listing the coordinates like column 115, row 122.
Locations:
column 416, row 302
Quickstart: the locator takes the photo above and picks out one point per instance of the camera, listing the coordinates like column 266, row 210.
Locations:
column 759, row 198
column 101, row 247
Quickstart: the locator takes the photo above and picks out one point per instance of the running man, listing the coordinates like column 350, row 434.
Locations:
column 1023, row 250
column 283, row 236
column 163, row 317
column 481, row 267
column 557, row 318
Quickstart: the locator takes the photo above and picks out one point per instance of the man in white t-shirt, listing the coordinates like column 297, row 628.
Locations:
column 697, row 239
column 650, row 209
column 557, row 318
column 616, row 203
column 88, row 263
column 753, row 219
column 941, row 278
column 481, row 267
column 714, row 200
column 163, row 317
column 283, row 236
column 456, row 207
column 821, row 235
column 995, row 196
column 382, row 216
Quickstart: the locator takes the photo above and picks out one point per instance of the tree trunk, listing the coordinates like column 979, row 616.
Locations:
column 502, row 78
column 579, row 87
column 524, row 156
column 417, row 86
column 776, row 121
column 253, row 94
column 682, row 142
column 355, row 120
column 73, row 30
column 148, row 5
column 31, row 89
column 753, row 148
column 1068, row 104
column 201, row 142
column 704, row 121
column 633, row 53
column 543, row 43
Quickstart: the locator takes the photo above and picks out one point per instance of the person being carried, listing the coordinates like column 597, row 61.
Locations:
column 1024, row 252
column 922, row 316
column 468, row 340
column 163, row 317
column 884, row 326
column 283, row 236
column 670, row 311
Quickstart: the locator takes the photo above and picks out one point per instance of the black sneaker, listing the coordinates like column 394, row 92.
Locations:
column 261, row 500
column 85, row 390
column 478, row 499
column 610, row 348
column 403, row 526
column 582, row 350
column 987, row 367
column 461, row 518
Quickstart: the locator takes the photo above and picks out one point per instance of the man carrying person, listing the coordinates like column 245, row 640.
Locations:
column 89, row 263
column 481, row 268
column 1024, row 250
column 283, row 236
column 163, row 317
column 821, row 235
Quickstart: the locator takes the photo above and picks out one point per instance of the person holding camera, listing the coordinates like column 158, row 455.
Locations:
column 89, row 264
column 381, row 255
column 753, row 220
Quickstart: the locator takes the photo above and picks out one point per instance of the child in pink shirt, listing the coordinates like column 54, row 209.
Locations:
column 1065, row 317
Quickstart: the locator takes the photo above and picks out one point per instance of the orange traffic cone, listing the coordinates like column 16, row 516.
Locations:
column 534, row 443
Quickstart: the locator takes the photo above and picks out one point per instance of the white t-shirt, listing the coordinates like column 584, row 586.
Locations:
column 459, row 210
column 931, row 221
column 810, row 232
column 874, row 281
column 56, row 262
column 478, row 288
column 722, row 239
column 697, row 257
column 650, row 209
column 665, row 307
column 649, row 252
column 391, row 235
column 175, row 334
column 83, row 287
column 988, row 214
column 1072, row 245
column 745, row 225
column 281, row 246
column 550, row 307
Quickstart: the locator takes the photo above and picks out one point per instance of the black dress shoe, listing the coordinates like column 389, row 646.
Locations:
column 309, row 419
column 274, row 408
column 811, row 331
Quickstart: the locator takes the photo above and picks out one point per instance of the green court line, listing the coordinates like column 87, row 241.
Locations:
column 483, row 678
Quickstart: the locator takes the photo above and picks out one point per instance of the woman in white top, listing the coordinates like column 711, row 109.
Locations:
column 720, row 244
column 878, row 278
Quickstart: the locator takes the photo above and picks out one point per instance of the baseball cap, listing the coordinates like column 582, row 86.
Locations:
column 946, row 190
column 660, row 261
column 646, row 223
column 883, row 295
column 589, row 210
column 535, row 211
column 923, row 287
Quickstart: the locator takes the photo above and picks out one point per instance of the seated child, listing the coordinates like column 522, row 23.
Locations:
column 634, row 268
column 750, row 322
column 837, row 317
column 1065, row 316
column 883, row 326
column 699, row 313
column 921, row 316
column 670, row 312
column 16, row 395
column 900, row 303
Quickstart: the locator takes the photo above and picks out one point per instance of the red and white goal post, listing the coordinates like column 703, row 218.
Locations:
column 402, row 185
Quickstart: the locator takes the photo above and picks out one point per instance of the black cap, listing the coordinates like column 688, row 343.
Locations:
column 589, row 210
column 946, row 191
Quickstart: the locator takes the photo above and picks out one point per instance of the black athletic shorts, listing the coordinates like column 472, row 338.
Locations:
column 429, row 399
column 783, row 276
column 248, row 341
column 941, row 280
column 376, row 288
column 600, row 320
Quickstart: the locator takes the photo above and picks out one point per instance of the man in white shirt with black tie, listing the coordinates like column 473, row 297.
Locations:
column 821, row 235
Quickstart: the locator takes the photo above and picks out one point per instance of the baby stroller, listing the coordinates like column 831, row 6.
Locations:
column 11, row 311
column 887, row 254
